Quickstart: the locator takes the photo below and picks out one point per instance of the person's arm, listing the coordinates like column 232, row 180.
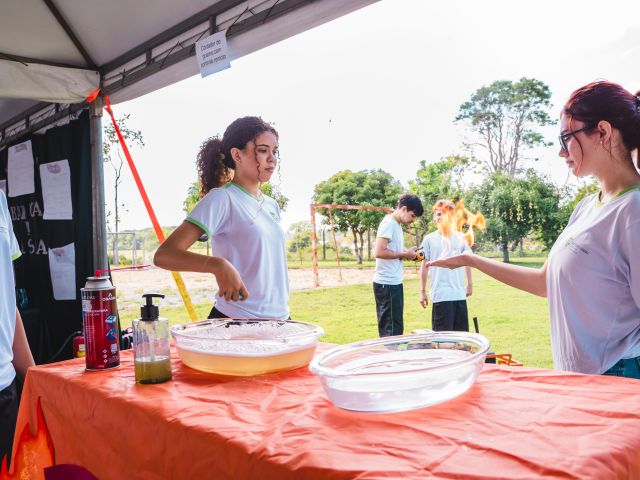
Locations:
column 22, row 358
column 382, row 251
column 467, row 271
column 173, row 255
column 424, row 283
column 532, row 280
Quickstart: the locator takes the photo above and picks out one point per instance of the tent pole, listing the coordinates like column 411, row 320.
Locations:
column 97, row 190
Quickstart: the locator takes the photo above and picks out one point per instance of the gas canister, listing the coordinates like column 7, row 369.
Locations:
column 100, row 324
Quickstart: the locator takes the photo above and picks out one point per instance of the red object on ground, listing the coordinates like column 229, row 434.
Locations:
column 515, row 422
column 78, row 346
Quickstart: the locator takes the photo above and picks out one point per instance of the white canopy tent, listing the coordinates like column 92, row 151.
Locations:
column 54, row 53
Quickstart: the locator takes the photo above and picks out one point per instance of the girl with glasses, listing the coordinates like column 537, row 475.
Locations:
column 248, row 244
column 592, row 274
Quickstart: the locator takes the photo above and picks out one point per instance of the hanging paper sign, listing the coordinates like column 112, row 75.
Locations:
column 20, row 170
column 56, row 190
column 62, row 264
column 212, row 54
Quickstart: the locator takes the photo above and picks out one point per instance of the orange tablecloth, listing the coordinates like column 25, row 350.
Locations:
column 515, row 422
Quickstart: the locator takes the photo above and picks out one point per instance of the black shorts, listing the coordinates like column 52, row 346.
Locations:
column 450, row 316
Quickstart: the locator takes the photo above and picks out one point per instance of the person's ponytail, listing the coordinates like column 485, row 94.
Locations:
column 214, row 165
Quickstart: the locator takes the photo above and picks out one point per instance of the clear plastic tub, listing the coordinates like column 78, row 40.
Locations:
column 245, row 347
column 394, row 374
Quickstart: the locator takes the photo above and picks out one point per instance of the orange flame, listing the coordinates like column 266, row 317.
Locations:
column 455, row 217
column 33, row 453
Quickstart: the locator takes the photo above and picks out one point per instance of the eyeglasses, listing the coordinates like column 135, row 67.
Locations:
column 563, row 137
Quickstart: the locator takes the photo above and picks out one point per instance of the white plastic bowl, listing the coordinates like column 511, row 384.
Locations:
column 246, row 347
column 394, row 374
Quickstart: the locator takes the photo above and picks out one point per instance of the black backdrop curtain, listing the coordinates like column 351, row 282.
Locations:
column 50, row 322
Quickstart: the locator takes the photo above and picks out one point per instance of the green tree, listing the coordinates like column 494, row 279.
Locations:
column 559, row 219
column 300, row 233
column 273, row 191
column 367, row 188
column 113, row 155
column 515, row 207
column 193, row 196
column 504, row 117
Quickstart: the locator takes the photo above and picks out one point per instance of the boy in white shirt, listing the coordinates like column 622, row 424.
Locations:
column 390, row 251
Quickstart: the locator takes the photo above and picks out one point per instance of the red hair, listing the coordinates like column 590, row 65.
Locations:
column 611, row 102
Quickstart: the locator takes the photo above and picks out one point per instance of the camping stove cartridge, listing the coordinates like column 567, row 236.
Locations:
column 101, row 325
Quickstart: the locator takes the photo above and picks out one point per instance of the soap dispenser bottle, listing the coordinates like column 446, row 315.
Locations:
column 151, row 356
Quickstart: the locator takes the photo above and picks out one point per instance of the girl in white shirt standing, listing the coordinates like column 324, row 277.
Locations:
column 248, row 244
column 592, row 275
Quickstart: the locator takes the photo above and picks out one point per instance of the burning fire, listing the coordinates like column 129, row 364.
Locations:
column 33, row 452
column 455, row 217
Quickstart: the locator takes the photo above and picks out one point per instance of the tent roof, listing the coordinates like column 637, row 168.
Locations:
column 137, row 47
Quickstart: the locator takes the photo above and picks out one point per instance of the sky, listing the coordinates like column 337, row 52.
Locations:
column 378, row 88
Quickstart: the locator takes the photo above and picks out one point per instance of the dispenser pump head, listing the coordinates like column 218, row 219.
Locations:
column 149, row 311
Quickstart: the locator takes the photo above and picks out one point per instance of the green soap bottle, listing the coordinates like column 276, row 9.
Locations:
column 151, row 356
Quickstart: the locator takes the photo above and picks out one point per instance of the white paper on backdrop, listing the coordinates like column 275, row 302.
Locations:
column 20, row 169
column 3, row 186
column 62, row 264
column 56, row 190
column 212, row 53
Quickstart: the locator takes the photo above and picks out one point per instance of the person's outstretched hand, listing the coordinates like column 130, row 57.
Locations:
column 230, row 284
column 457, row 261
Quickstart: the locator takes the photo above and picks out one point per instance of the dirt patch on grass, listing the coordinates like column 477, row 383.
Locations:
column 131, row 284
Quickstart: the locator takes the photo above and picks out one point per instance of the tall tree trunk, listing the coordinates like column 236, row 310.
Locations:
column 369, row 244
column 505, row 252
column 116, row 259
column 521, row 247
column 356, row 250
column 361, row 245
column 324, row 246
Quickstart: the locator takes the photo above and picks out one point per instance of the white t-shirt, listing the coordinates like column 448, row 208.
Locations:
column 593, row 285
column 247, row 232
column 9, row 251
column 446, row 285
column 389, row 271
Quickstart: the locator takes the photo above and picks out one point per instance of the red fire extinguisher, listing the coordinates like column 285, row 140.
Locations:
column 78, row 346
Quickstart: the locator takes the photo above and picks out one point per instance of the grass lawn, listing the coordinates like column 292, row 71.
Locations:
column 515, row 322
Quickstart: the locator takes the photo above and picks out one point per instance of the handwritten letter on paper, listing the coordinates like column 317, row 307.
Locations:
column 62, row 263
column 56, row 190
column 20, row 169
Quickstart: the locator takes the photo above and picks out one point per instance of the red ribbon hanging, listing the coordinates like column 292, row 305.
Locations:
column 134, row 171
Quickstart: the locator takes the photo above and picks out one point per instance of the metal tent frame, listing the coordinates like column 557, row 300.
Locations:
column 132, row 58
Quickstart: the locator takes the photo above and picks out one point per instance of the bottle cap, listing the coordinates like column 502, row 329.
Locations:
column 149, row 311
